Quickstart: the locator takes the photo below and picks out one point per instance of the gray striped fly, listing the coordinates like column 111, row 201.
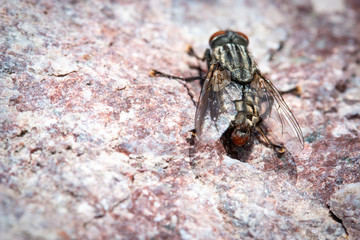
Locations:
column 237, row 98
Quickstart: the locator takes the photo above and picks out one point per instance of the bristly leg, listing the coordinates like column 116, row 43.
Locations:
column 295, row 91
column 156, row 73
column 278, row 148
column 191, row 139
column 192, row 53
column 274, row 51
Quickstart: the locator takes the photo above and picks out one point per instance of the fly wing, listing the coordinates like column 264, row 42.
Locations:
column 216, row 109
column 278, row 122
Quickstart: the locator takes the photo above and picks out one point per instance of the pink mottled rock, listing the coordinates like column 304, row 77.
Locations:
column 91, row 147
column 345, row 204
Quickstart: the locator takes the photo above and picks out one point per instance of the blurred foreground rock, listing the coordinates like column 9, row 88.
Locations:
column 91, row 147
column 345, row 204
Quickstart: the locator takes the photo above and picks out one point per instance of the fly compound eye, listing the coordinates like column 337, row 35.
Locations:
column 242, row 35
column 218, row 33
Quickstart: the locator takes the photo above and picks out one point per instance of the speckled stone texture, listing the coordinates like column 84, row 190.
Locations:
column 345, row 204
column 91, row 147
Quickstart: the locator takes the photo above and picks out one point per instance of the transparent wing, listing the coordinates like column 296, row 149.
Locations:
column 276, row 119
column 216, row 109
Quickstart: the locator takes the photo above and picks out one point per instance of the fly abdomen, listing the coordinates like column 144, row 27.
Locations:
column 243, row 123
column 245, row 114
column 247, row 108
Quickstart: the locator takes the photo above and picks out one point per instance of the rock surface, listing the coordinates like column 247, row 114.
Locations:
column 345, row 204
column 91, row 147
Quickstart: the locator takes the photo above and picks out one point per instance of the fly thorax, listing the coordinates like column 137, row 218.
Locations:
column 242, row 75
column 237, row 60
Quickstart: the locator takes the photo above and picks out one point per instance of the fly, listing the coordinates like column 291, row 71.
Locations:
column 236, row 96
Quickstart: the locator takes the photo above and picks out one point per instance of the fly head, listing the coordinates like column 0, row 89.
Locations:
column 221, row 38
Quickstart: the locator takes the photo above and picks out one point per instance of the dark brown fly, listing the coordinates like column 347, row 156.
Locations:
column 237, row 96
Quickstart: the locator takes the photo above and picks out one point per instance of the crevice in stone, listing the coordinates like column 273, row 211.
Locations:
column 336, row 219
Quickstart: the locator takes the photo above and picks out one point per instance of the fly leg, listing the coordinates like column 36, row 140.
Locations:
column 156, row 73
column 192, row 53
column 191, row 139
column 206, row 57
column 295, row 91
column 278, row 148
